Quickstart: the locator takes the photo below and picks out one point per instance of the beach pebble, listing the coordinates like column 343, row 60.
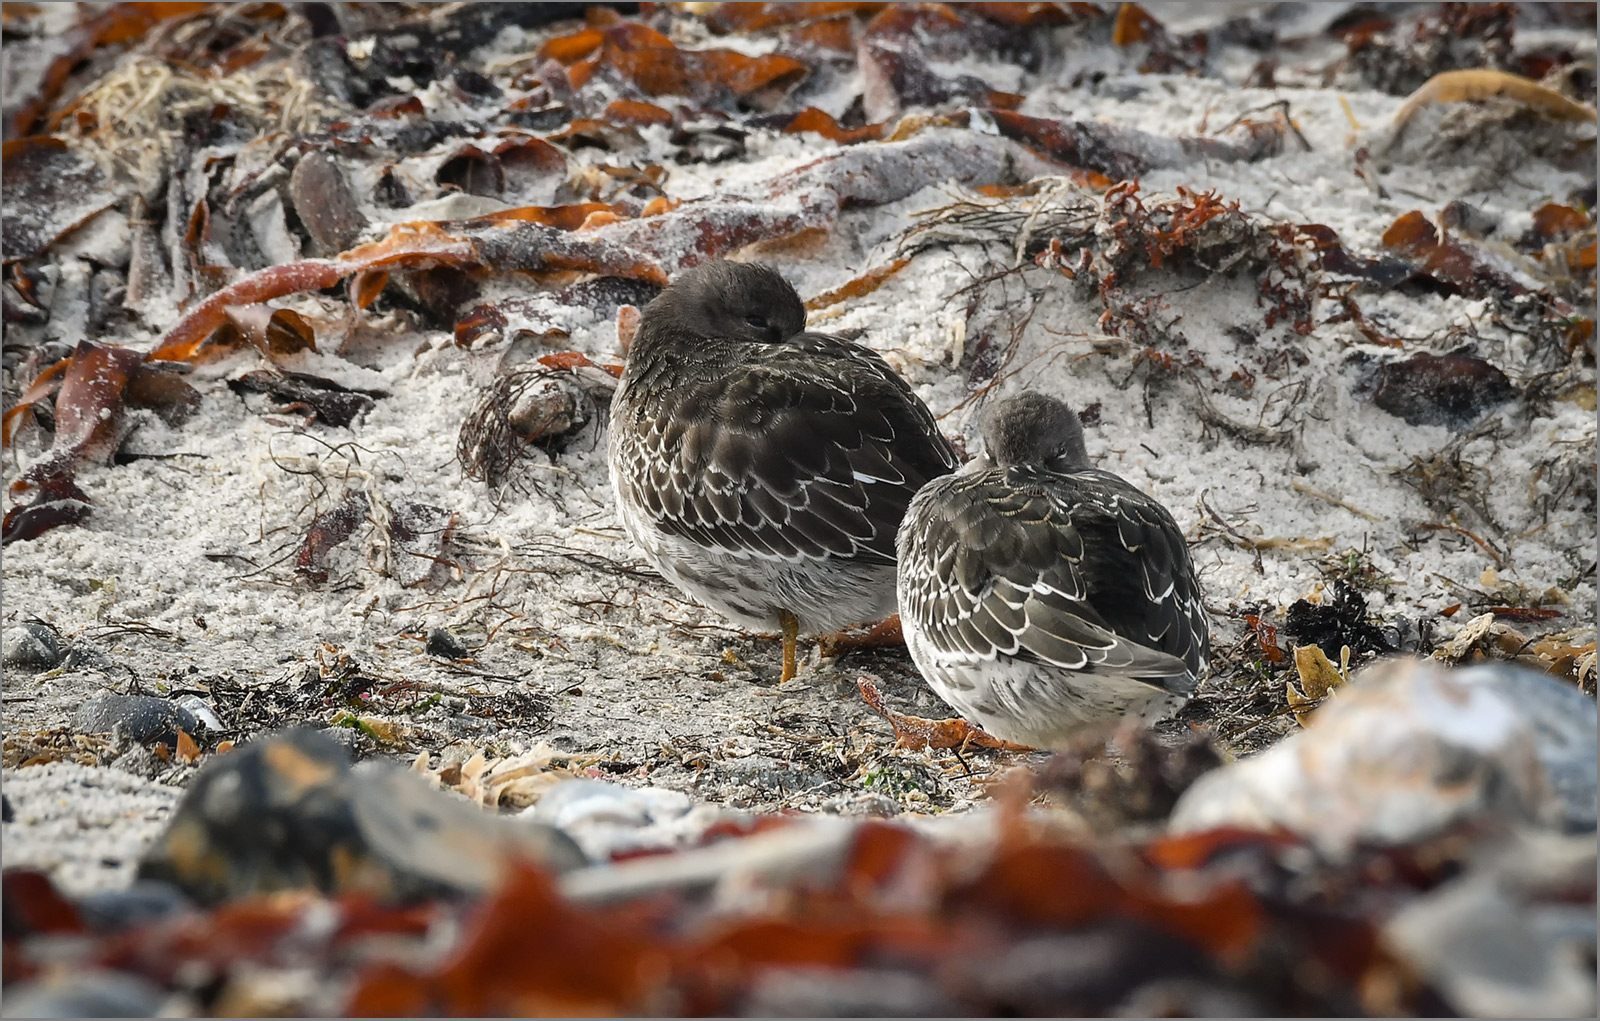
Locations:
column 1409, row 749
column 286, row 811
column 30, row 646
column 607, row 818
column 144, row 718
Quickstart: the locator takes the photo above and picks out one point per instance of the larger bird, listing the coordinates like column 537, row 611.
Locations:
column 762, row 469
column 1038, row 593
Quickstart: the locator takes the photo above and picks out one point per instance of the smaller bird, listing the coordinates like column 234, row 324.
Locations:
column 761, row 468
column 1039, row 593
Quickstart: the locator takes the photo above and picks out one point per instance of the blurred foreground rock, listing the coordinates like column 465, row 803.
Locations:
column 286, row 812
column 1410, row 749
column 1512, row 937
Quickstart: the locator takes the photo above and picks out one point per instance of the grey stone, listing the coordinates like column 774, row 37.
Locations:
column 31, row 645
column 143, row 718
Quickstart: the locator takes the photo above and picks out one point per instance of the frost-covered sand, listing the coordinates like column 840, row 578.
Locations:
column 184, row 576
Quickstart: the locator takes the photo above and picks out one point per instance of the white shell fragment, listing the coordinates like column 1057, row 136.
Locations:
column 1409, row 749
column 607, row 818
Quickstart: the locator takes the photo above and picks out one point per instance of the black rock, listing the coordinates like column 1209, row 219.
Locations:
column 1451, row 390
column 144, row 718
column 31, row 645
column 445, row 645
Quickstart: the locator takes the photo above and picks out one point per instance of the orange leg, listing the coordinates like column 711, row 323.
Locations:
column 916, row 732
column 885, row 634
column 791, row 634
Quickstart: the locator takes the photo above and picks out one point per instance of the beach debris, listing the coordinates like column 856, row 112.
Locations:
column 1554, row 222
column 1450, row 261
column 445, row 644
column 1484, row 83
column 610, row 821
column 883, row 886
column 322, row 200
column 1506, row 938
column 329, row 530
column 1487, row 637
column 414, row 542
column 895, row 51
column 421, row 541
column 51, row 189
column 285, row 811
column 1336, row 621
column 1410, row 749
column 275, row 332
column 1397, row 53
column 648, row 64
column 542, row 407
column 1468, row 219
column 93, row 993
column 992, row 911
column 1129, row 779
column 93, row 390
column 1318, row 679
column 541, row 317
column 28, row 748
column 915, row 733
column 496, row 782
column 315, row 397
column 496, row 243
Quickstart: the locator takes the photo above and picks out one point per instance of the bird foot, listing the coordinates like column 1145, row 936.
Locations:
column 916, row 732
column 885, row 634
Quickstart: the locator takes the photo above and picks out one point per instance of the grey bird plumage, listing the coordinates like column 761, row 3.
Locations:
column 763, row 469
column 1038, row 593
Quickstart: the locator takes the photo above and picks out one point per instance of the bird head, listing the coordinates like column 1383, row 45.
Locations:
column 730, row 301
column 1031, row 428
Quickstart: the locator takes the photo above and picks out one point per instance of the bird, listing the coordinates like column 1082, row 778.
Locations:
column 1039, row 594
column 761, row 468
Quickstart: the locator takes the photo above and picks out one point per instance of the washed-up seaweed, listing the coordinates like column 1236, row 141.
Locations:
column 316, row 396
column 881, row 919
column 92, row 391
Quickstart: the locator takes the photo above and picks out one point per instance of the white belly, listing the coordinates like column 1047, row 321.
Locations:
column 1029, row 703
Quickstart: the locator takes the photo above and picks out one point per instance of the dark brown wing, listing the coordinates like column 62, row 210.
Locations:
column 808, row 449
column 1080, row 571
